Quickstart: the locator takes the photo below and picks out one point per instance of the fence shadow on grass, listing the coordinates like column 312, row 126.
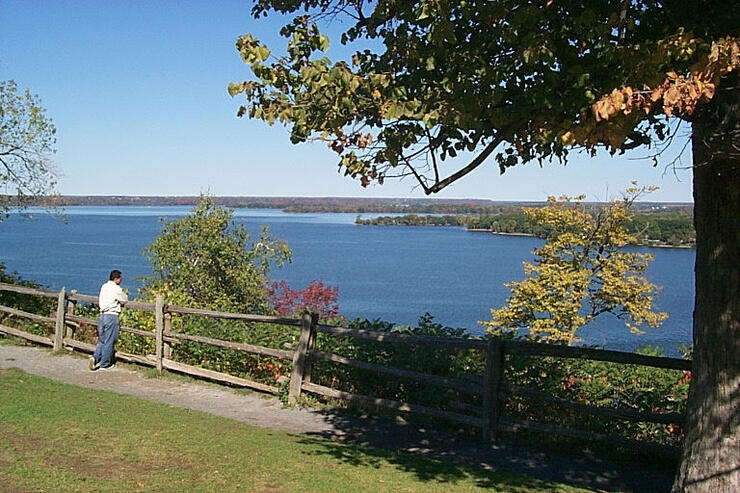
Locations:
column 372, row 441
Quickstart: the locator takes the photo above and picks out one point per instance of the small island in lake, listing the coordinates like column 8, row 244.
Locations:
column 661, row 226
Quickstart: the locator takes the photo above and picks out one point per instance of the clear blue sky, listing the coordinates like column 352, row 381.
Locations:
column 137, row 90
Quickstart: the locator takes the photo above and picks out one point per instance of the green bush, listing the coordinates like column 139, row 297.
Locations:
column 607, row 385
column 260, row 368
column 445, row 362
column 27, row 303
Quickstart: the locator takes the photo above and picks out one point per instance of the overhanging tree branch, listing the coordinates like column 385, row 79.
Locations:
column 479, row 159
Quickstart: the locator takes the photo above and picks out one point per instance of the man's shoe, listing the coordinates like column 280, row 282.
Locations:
column 91, row 364
column 111, row 367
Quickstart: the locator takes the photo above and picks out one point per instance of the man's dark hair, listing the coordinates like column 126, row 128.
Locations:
column 114, row 274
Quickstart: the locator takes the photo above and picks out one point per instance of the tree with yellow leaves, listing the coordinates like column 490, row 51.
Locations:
column 580, row 273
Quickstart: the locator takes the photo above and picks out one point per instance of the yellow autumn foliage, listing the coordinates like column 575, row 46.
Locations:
column 580, row 273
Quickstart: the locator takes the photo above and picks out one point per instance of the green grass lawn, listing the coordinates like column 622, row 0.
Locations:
column 58, row 437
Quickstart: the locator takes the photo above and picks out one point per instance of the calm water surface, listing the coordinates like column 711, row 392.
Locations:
column 391, row 273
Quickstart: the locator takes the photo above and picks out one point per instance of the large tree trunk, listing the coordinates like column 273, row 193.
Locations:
column 711, row 456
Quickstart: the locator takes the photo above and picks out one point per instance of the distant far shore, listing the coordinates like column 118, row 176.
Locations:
column 256, row 201
column 357, row 205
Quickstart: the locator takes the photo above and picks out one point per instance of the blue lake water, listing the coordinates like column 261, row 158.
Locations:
column 392, row 273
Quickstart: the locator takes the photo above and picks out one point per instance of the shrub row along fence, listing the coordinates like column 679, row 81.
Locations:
column 493, row 397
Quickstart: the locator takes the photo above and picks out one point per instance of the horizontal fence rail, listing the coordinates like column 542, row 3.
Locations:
column 76, row 320
column 625, row 414
column 450, row 342
column 492, row 387
column 453, row 383
column 14, row 288
column 236, row 346
column 132, row 305
column 539, row 349
column 514, row 425
column 25, row 335
column 30, row 316
column 391, row 404
column 217, row 376
column 234, row 316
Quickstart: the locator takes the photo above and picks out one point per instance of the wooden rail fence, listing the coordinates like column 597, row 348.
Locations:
column 492, row 387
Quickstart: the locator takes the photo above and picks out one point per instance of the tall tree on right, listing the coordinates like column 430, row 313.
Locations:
column 512, row 81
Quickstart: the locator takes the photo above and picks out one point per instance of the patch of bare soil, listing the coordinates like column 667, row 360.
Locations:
column 95, row 463
column 111, row 466
column 21, row 444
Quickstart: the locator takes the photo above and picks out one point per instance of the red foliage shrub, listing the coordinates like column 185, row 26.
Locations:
column 316, row 297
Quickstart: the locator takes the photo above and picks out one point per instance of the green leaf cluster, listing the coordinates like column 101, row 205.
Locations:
column 208, row 260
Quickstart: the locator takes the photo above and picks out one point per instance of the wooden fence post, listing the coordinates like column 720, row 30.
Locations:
column 71, row 306
column 311, row 346
column 167, row 350
column 494, row 378
column 300, row 358
column 59, row 326
column 159, row 328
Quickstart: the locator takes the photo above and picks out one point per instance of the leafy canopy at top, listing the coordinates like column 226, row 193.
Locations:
column 516, row 80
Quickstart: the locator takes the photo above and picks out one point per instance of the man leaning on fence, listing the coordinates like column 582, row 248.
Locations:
column 111, row 299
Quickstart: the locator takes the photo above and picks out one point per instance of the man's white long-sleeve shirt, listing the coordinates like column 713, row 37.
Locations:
column 110, row 298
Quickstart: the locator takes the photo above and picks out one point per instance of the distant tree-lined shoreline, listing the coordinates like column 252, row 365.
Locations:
column 671, row 227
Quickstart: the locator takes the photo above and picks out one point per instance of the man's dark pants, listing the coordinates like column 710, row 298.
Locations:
column 108, row 329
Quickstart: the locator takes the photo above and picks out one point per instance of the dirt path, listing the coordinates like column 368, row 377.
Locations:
column 267, row 412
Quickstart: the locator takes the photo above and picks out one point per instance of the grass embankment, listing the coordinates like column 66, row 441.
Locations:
column 58, row 437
